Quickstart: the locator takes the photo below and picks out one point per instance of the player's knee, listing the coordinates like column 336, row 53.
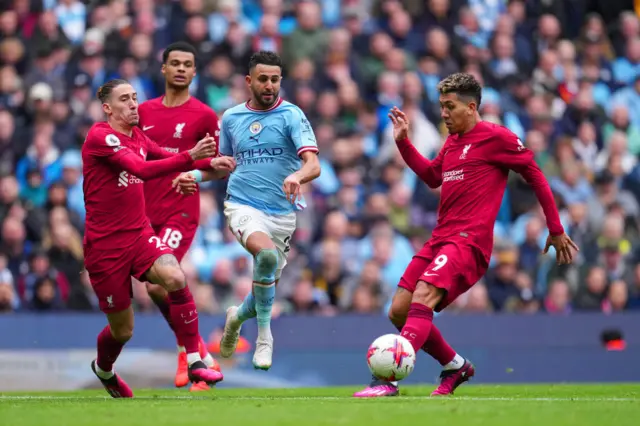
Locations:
column 427, row 294
column 155, row 291
column 266, row 263
column 397, row 314
column 174, row 279
column 122, row 333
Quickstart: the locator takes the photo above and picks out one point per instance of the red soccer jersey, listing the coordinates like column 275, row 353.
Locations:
column 175, row 129
column 473, row 170
column 114, row 168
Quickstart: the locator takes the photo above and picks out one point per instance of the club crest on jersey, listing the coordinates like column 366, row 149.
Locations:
column 179, row 129
column 255, row 127
column 464, row 151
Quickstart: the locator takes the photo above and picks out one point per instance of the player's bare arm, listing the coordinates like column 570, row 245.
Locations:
column 557, row 238
column 564, row 246
column 221, row 167
column 400, row 124
column 205, row 148
column 120, row 105
column 310, row 170
column 429, row 172
column 520, row 159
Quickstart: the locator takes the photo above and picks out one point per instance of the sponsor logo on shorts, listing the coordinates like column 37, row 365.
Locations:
column 244, row 219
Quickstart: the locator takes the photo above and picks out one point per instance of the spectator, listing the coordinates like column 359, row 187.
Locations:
column 564, row 80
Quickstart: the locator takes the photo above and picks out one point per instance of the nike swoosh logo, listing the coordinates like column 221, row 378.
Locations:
column 145, row 128
column 426, row 274
column 189, row 322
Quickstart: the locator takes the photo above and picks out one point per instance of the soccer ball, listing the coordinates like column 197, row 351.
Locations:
column 391, row 357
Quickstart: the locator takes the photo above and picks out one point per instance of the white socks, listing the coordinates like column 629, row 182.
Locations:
column 192, row 358
column 106, row 375
column 208, row 360
column 455, row 364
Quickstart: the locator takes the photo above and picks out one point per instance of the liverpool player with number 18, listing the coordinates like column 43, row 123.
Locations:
column 176, row 121
column 472, row 168
column 119, row 242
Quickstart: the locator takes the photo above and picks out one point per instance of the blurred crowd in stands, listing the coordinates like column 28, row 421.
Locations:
column 564, row 75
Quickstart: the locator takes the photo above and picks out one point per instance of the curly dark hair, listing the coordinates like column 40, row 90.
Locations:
column 265, row 57
column 179, row 46
column 462, row 84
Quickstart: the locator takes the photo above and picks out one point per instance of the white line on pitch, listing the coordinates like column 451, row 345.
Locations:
column 326, row 398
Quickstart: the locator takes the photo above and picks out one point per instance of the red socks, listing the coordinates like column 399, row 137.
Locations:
column 184, row 317
column 108, row 349
column 418, row 325
column 438, row 348
column 165, row 310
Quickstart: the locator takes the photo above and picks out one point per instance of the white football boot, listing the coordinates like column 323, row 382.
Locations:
column 263, row 354
column 231, row 333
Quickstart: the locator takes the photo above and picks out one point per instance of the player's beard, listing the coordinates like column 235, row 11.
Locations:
column 258, row 97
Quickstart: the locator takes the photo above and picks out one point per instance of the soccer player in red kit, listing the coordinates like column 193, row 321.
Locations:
column 176, row 121
column 119, row 242
column 472, row 168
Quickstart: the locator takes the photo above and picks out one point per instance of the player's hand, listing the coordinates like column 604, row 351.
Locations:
column 291, row 188
column 185, row 184
column 564, row 248
column 223, row 164
column 400, row 124
column 205, row 148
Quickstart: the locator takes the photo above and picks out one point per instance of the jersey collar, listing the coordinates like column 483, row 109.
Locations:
column 275, row 105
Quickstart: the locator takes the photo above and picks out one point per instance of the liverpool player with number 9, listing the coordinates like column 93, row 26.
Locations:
column 119, row 242
column 472, row 168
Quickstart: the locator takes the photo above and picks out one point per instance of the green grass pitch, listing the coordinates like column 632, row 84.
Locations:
column 535, row 405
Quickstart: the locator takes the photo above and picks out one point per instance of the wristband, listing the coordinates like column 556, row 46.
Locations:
column 197, row 174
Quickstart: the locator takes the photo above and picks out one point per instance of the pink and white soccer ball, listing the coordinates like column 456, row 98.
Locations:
column 391, row 357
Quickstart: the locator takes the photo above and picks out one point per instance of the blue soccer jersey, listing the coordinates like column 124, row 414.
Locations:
column 267, row 146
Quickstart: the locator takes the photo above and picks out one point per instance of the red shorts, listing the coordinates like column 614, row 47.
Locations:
column 178, row 233
column 110, row 269
column 452, row 266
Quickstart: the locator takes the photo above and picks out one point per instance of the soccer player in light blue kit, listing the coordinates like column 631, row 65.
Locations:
column 268, row 137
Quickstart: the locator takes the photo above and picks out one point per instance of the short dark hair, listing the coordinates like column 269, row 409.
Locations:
column 179, row 46
column 105, row 90
column 463, row 85
column 265, row 57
